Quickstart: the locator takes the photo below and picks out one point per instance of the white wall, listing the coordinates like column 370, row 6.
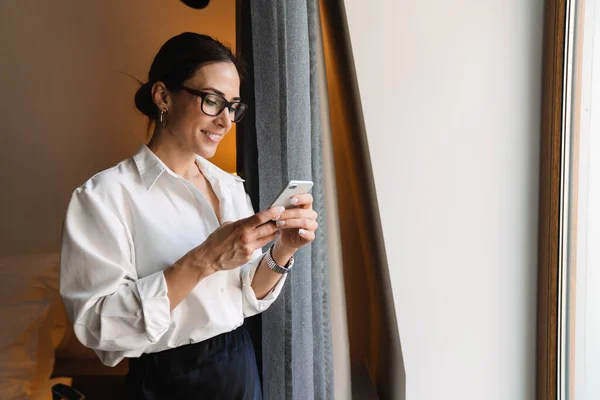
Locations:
column 451, row 94
column 67, row 109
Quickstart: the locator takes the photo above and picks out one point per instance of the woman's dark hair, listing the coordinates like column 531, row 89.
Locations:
column 177, row 61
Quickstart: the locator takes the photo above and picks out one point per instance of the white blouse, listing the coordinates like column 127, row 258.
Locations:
column 126, row 225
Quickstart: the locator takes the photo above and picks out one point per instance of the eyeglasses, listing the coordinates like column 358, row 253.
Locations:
column 214, row 104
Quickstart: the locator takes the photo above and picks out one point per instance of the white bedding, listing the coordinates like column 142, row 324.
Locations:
column 32, row 326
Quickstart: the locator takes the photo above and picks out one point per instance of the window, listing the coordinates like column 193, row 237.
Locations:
column 578, row 288
column 568, row 344
column 581, row 323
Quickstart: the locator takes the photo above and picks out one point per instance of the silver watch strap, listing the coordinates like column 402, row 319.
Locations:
column 276, row 267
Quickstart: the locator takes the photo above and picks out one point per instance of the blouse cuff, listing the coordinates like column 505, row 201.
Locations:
column 156, row 307
column 252, row 305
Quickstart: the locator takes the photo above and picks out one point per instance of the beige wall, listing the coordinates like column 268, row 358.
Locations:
column 67, row 109
column 451, row 97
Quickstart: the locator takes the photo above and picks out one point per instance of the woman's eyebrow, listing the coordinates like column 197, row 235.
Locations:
column 219, row 93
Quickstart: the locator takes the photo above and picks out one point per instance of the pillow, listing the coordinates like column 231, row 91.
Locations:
column 29, row 305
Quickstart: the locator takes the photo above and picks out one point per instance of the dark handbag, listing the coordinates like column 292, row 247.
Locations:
column 64, row 392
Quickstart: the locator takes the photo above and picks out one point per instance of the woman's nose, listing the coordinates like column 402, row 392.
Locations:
column 224, row 118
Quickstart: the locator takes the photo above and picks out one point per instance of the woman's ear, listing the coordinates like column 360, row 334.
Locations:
column 161, row 95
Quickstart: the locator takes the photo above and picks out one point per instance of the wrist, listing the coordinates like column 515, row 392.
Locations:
column 281, row 254
column 196, row 262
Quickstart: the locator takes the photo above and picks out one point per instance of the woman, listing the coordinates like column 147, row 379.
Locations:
column 153, row 268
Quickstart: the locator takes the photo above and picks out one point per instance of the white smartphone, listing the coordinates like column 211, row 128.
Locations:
column 293, row 188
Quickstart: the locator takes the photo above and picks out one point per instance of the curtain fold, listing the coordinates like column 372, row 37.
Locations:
column 296, row 330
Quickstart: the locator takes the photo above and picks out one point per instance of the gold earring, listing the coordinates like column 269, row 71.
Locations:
column 163, row 118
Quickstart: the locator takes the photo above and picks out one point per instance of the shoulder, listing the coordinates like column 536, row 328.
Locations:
column 111, row 184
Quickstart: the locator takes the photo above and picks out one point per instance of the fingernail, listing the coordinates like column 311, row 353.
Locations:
column 302, row 232
column 281, row 209
column 294, row 200
column 280, row 223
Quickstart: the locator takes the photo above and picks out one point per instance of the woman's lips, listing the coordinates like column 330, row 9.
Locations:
column 213, row 137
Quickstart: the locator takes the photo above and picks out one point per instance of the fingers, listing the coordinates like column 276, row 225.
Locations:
column 298, row 223
column 307, row 236
column 263, row 216
column 266, row 239
column 265, row 229
column 262, row 235
column 298, row 213
column 302, row 200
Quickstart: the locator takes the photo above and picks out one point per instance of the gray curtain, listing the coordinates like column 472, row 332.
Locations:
column 296, row 330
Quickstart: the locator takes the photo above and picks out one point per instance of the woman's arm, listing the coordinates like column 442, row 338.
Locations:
column 265, row 280
column 182, row 277
column 229, row 247
column 112, row 309
column 297, row 227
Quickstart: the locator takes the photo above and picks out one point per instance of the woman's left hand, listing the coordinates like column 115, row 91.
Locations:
column 298, row 225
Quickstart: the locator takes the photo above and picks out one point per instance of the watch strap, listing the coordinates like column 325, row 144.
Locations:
column 280, row 269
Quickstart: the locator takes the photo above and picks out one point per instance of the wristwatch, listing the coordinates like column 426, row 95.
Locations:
column 276, row 267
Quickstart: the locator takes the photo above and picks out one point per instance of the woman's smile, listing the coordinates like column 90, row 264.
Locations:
column 213, row 137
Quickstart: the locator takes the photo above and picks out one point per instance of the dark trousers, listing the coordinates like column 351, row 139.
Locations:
column 222, row 367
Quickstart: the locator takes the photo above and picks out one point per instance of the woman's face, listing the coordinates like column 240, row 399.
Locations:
column 194, row 129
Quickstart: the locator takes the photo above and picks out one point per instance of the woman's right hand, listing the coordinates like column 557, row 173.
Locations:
column 230, row 246
column 233, row 243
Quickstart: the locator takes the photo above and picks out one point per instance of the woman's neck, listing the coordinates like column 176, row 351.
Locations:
column 180, row 160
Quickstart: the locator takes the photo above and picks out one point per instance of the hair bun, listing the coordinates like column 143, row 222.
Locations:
column 143, row 101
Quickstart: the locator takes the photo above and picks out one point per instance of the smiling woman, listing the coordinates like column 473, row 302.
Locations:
column 197, row 119
column 190, row 65
column 152, row 268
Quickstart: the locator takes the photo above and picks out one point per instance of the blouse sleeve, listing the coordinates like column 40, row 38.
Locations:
column 110, row 307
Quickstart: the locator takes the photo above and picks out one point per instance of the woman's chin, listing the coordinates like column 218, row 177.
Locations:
column 206, row 151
